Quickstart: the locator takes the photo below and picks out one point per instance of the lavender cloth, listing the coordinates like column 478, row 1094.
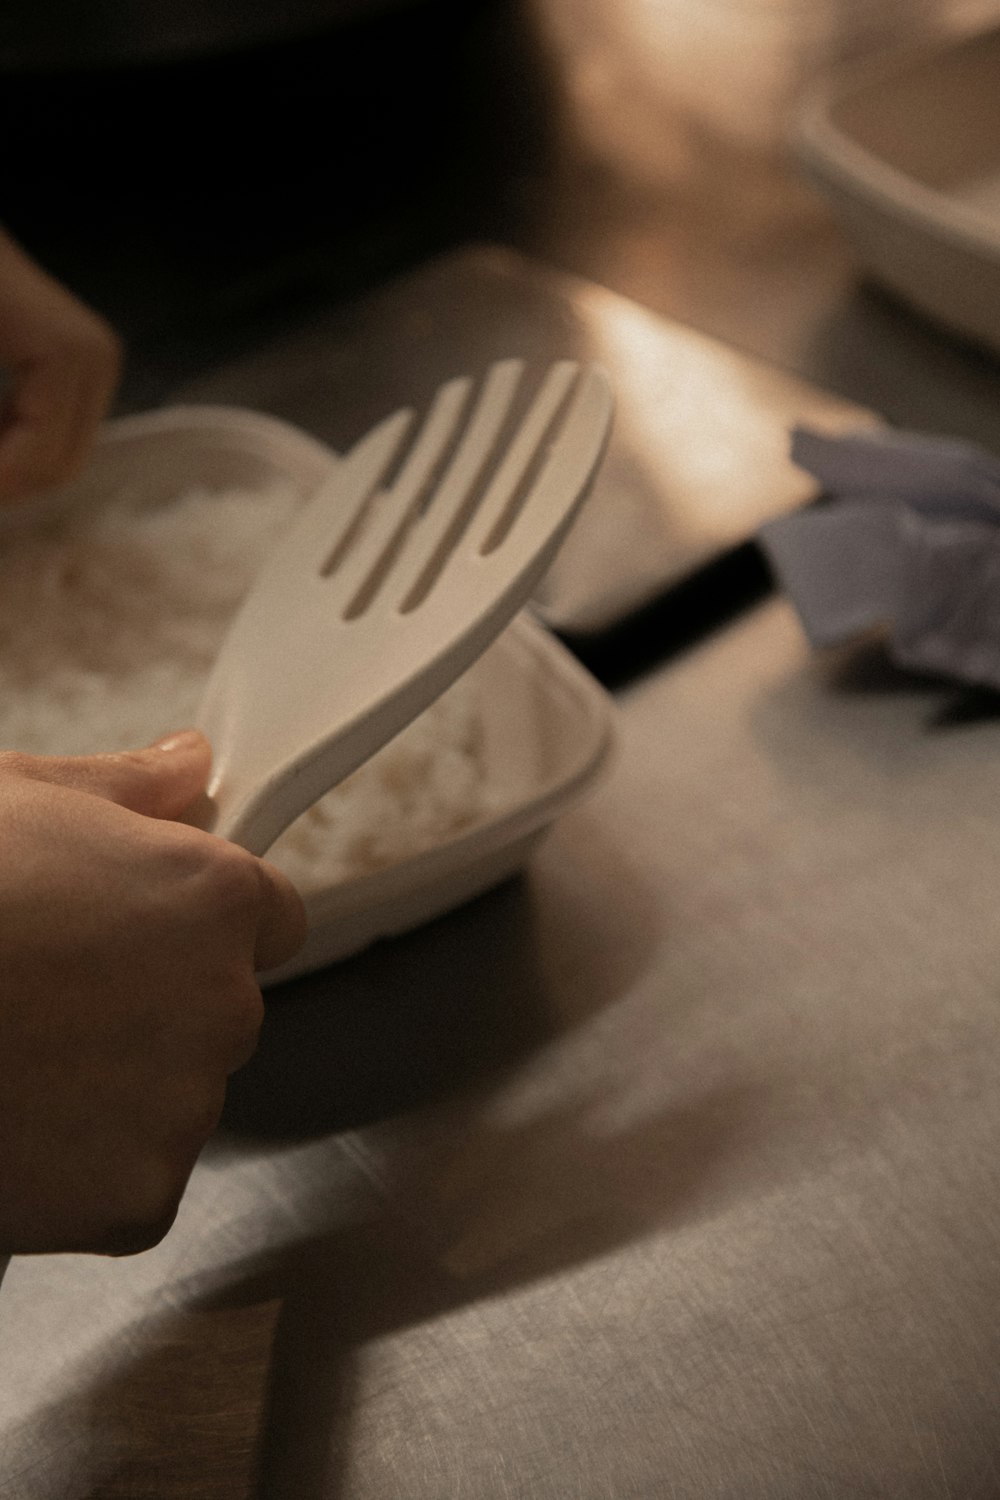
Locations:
column 907, row 537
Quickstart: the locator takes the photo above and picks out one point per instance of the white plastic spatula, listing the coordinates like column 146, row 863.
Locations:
column 388, row 586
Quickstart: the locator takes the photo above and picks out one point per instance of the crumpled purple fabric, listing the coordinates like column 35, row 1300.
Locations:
column 905, row 536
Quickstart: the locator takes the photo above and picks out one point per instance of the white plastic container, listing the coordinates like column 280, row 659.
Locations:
column 546, row 724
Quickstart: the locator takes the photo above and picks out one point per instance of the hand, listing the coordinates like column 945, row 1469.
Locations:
column 63, row 362
column 128, row 946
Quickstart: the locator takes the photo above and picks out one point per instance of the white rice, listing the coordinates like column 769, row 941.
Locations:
column 110, row 619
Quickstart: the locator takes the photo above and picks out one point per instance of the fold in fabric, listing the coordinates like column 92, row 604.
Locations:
column 906, row 537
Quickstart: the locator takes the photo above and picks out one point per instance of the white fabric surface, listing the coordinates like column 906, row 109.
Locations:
column 907, row 538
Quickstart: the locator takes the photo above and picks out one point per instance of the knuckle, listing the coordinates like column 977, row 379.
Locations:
column 205, row 1094
column 148, row 1197
column 149, row 1214
column 244, row 1019
column 201, row 1119
column 205, row 1120
column 132, row 1237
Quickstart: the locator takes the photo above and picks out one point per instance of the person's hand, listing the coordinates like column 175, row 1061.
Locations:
column 60, row 362
column 128, row 949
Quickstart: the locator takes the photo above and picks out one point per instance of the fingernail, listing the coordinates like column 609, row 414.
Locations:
column 184, row 739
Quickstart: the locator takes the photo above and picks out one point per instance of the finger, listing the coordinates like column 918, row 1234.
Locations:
column 37, row 429
column 160, row 781
column 58, row 401
column 282, row 924
column 98, row 360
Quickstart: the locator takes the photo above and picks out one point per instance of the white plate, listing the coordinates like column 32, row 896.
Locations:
column 547, row 727
column 907, row 148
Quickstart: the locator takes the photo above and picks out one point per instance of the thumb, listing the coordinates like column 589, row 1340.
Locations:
column 160, row 781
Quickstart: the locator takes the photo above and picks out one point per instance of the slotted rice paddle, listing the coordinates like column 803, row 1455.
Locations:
column 386, row 588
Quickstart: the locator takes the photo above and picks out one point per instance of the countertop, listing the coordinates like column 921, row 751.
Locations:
column 668, row 1168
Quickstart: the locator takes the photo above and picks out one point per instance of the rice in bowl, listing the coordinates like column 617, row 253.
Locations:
column 110, row 619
